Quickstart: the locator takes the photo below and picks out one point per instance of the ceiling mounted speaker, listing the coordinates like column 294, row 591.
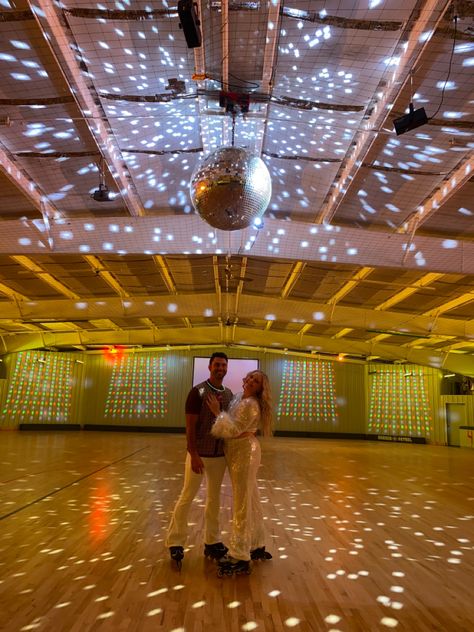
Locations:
column 414, row 118
column 189, row 22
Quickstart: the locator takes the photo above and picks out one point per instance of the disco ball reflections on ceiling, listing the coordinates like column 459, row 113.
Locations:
column 231, row 188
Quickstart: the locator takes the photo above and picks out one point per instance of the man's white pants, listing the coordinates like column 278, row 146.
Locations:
column 214, row 469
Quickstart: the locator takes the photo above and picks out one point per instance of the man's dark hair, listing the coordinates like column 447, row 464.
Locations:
column 218, row 354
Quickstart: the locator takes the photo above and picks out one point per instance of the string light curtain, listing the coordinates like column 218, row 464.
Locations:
column 40, row 389
column 137, row 388
column 308, row 391
column 399, row 403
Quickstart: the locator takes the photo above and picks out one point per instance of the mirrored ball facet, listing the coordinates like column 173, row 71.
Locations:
column 231, row 188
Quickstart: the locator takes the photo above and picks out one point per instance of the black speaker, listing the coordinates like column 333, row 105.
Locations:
column 414, row 118
column 189, row 22
column 3, row 370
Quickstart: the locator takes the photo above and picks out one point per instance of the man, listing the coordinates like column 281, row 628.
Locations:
column 205, row 455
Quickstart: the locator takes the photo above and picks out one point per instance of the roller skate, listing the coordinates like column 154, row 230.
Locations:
column 177, row 554
column 260, row 554
column 230, row 566
column 215, row 551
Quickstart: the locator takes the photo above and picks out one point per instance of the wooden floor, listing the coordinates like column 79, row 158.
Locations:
column 365, row 536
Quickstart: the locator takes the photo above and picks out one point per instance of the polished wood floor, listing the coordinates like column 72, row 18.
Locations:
column 364, row 536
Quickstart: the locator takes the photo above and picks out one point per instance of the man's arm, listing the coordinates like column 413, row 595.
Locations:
column 196, row 461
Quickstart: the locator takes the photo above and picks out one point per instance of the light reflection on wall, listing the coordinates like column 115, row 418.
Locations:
column 138, row 388
column 40, row 389
column 399, row 402
column 308, row 391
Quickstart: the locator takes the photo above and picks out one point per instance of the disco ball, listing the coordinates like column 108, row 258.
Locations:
column 231, row 188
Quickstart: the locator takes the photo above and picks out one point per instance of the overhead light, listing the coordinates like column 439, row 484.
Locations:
column 407, row 122
column 102, row 194
column 79, row 361
column 42, row 360
column 449, row 375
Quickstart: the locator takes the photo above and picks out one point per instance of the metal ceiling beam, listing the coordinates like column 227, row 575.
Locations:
column 464, row 299
column 165, row 273
column 345, row 289
column 51, row 23
column 430, row 15
column 292, row 278
column 26, row 185
column 200, row 77
column 169, row 282
column 217, row 285
column 99, row 268
column 240, row 286
column 226, row 128
column 358, row 276
column 254, row 307
column 30, row 265
column 269, row 54
column 290, row 282
column 457, row 179
column 7, row 291
column 425, row 280
column 301, row 242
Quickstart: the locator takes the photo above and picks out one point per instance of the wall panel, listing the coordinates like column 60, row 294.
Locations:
column 149, row 388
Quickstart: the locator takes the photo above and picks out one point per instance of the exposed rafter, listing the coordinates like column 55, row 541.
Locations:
column 61, row 46
column 99, row 268
column 254, row 307
column 430, row 15
column 457, row 179
column 303, row 242
column 28, row 187
column 30, row 265
column 425, row 280
column 270, row 50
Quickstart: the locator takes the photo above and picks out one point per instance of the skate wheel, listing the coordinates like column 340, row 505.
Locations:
column 220, row 572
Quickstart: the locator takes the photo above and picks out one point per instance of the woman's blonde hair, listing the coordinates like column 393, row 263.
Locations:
column 265, row 400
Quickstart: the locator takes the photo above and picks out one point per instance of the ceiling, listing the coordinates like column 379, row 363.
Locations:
column 367, row 247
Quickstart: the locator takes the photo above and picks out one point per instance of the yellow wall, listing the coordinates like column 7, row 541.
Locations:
column 467, row 401
column 91, row 385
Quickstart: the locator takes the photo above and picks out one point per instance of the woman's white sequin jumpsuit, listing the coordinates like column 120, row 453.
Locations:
column 243, row 460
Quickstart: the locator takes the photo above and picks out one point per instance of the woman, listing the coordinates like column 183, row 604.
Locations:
column 249, row 412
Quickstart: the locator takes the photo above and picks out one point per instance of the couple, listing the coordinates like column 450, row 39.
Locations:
column 212, row 414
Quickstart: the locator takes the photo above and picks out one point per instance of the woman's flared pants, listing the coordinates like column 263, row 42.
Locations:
column 243, row 460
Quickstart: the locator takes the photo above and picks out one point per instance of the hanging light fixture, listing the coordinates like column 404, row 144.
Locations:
column 102, row 194
column 231, row 188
